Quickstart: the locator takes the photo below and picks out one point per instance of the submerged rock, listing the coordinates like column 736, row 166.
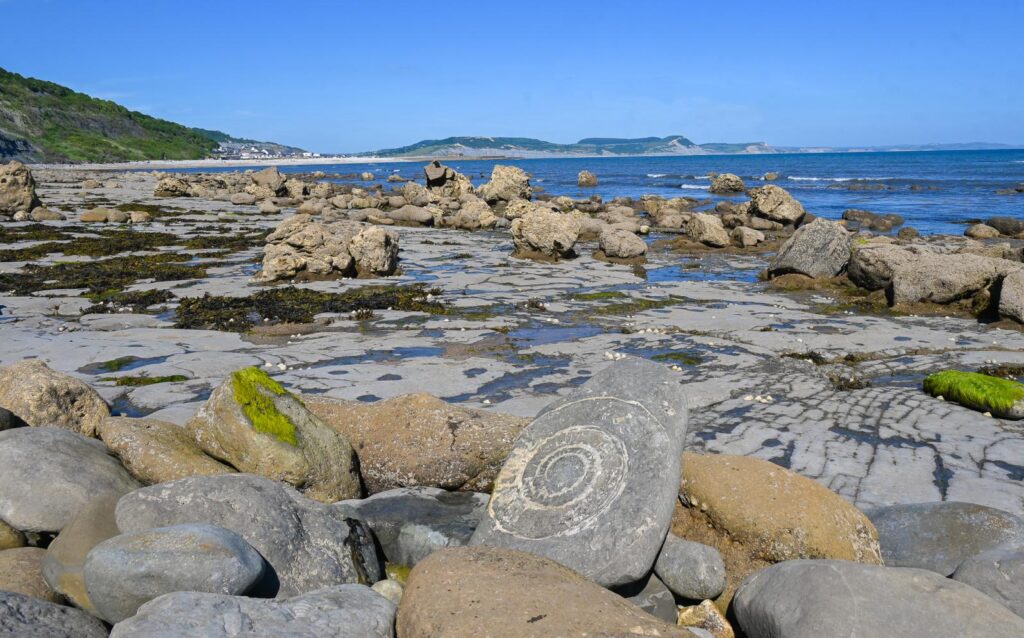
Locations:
column 41, row 396
column 592, row 481
column 419, row 440
column 254, row 424
column 344, row 611
column 47, row 475
column 503, row 593
column 814, row 598
column 306, row 544
column 939, row 536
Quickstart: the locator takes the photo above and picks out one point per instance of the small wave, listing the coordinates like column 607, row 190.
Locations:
column 657, row 175
column 839, row 179
column 693, row 187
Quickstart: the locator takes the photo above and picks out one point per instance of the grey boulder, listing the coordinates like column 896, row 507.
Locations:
column 818, row 249
column 592, row 482
column 345, row 611
column 814, row 598
column 307, row 545
column 691, row 570
column 48, row 474
column 127, row 571
column 939, row 536
column 999, row 573
column 27, row 617
column 412, row 522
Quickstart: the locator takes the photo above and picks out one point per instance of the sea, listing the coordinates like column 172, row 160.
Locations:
column 935, row 191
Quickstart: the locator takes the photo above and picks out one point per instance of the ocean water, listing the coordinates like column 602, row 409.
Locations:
column 935, row 191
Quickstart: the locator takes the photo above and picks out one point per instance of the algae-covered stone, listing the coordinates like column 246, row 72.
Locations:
column 255, row 425
column 156, row 451
column 65, row 557
column 40, row 396
column 127, row 571
column 757, row 513
column 1002, row 398
column 307, row 544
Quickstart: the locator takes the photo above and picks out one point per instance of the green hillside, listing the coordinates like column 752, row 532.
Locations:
column 525, row 146
column 43, row 121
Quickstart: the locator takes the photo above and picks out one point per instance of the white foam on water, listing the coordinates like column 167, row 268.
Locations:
column 839, row 179
column 657, row 175
column 693, row 187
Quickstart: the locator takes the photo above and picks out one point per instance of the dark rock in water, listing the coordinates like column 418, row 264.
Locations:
column 818, row 249
column 344, row 611
column 651, row 595
column 47, row 475
column 592, row 482
column 307, row 544
column 412, row 522
column 691, row 570
column 815, row 598
column 27, row 617
column 1007, row 225
column 127, row 571
column 939, row 536
column 999, row 573
column 873, row 221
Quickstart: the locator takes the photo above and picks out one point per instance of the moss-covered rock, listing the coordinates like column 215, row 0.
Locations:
column 253, row 424
column 1002, row 398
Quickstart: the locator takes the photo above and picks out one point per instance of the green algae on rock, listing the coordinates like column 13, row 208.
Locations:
column 249, row 385
column 1000, row 397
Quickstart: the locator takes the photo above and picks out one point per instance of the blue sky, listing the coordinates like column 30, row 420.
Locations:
column 351, row 76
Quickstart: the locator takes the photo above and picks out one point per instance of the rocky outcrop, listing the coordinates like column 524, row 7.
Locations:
column 818, row 249
column 528, row 596
column 621, row 244
column 446, row 181
column 17, row 189
column 171, row 186
column 708, row 230
column 507, row 183
column 254, row 424
column 545, row 234
column 419, row 440
column 776, row 204
column 302, row 246
column 43, row 397
column 586, row 179
column 945, row 278
column 727, row 184
column 866, row 220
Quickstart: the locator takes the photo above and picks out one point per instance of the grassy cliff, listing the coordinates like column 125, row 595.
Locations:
column 43, row 121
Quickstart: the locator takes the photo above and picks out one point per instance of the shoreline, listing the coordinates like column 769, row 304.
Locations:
column 218, row 163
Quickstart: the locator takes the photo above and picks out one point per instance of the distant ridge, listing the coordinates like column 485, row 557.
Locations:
column 478, row 146
column 45, row 122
